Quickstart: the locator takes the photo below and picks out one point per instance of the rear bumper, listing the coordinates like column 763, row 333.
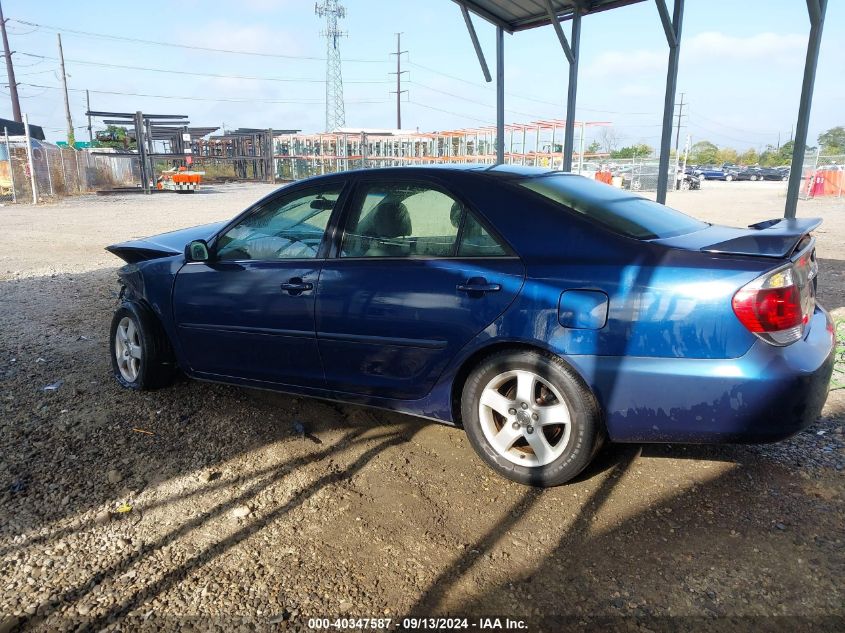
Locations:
column 766, row 395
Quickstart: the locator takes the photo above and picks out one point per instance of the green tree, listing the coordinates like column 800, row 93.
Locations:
column 833, row 141
column 116, row 136
column 748, row 157
column 638, row 150
column 594, row 148
column 726, row 155
column 703, row 153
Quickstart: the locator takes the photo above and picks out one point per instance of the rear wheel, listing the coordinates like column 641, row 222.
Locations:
column 728, row 178
column 140, row 352
column 530, row 418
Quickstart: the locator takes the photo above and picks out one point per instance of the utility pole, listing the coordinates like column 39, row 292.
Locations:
column 398, row 74
column 71, row 139
column 678, row 131
column 88, row 109
column 10, row 70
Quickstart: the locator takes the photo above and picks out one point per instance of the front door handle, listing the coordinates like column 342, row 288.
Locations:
column 478, row 285
column 295, row 286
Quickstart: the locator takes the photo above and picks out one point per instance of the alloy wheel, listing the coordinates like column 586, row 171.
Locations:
column 524, row 418
column 127, row 349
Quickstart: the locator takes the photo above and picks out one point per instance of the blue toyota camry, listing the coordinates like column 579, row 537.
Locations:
column 541, row 311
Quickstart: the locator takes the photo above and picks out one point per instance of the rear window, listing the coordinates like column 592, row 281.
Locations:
column 617, row 209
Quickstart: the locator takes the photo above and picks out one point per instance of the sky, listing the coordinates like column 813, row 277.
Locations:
column 740, row 71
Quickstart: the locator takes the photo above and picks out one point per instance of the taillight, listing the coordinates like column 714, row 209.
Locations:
column 777, row 306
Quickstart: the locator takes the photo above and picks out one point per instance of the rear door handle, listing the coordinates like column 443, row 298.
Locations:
column 296, row 286
column 478, row 286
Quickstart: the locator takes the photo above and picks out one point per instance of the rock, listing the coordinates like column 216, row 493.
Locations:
column 780, row 526
column 102, row 518
column 241, row 511
column 344, row 606
column 83, row 609
column 114, row 476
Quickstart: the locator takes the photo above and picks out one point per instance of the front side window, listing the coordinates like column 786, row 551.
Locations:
column 413, row 220
column 290, row 227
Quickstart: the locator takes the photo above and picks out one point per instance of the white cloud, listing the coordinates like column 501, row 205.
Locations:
column 615, row 63
column 769, row 48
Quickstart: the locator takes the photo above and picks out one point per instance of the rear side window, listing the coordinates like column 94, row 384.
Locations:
column 409, row 219
column 617, row 209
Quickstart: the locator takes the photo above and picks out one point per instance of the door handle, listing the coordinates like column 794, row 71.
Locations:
column 480, row 286
column 296, row 286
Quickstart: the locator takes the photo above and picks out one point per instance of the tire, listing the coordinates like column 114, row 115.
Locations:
column 752, row 178
column 507, row 381
column 728, row 178
column 141, row 355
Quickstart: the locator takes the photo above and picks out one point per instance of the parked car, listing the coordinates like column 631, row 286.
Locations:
column 710, row 172
column 772, row 173
column 542, row 312
column 744, row 173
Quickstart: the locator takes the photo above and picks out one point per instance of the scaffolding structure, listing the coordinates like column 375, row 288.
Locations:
column 537, row 143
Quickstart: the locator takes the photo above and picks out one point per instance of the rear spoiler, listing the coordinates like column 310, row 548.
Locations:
column 771, row 238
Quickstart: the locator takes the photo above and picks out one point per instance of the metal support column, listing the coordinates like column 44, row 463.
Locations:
column 816, row 9
column 142, row 151
column 572, row 92
column 500, row 95
column 673, row 38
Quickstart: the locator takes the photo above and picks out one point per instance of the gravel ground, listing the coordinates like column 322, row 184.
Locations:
column 196, row 507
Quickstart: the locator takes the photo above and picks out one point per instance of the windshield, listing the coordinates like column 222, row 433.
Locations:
column 617, row 209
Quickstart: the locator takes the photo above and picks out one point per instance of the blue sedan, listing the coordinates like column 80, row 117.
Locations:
column 543, row 312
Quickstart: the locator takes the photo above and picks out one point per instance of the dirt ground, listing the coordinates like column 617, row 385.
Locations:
column 236, row 523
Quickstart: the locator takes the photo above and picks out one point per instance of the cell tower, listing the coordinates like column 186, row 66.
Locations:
column 335, row 110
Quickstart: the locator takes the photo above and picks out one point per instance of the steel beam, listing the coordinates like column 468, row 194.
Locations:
column 561, row 36
column 474, row 37
column 669, row 100
column 572, row 92
column 500, row 95
column 816, row 9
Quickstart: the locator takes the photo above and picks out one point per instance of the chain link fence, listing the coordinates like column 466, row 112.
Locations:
column 60, row 171
column 823, row 175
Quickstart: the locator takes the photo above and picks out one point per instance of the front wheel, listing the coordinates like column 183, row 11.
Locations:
column 140, row 352
column 531, row 418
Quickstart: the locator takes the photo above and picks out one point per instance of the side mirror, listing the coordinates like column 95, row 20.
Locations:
column 197, row 251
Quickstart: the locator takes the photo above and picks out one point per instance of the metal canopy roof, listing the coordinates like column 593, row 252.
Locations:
column 518, row 15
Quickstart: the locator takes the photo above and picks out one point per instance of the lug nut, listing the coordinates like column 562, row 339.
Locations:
column 524, row 405
column 529, row 430
column 535, row 417
column 515, row 426
column 512, row 411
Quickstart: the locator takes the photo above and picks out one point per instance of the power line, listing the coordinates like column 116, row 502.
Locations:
column 192, row 98
column 559, row 104
column 199, row 74
column 465, row 116
column 186, row 46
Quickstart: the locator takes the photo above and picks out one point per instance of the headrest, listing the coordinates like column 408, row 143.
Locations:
column 391, row 219
column 455, row 214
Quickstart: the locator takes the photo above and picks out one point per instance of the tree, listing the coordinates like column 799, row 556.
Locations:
column 609, row 139
column 703, row 153
column 638, row 150
column 726, row 155
column 116, row 136
column 593, row 148
column 833, row 141
column 748, row 157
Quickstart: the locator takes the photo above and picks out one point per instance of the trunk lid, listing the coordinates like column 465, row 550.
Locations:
column 163, row 245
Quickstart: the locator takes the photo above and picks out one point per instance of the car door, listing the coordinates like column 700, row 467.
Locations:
column 248, row 313
column 414, row 277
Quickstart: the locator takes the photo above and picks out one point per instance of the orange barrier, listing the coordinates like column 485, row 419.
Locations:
column 827, row 182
